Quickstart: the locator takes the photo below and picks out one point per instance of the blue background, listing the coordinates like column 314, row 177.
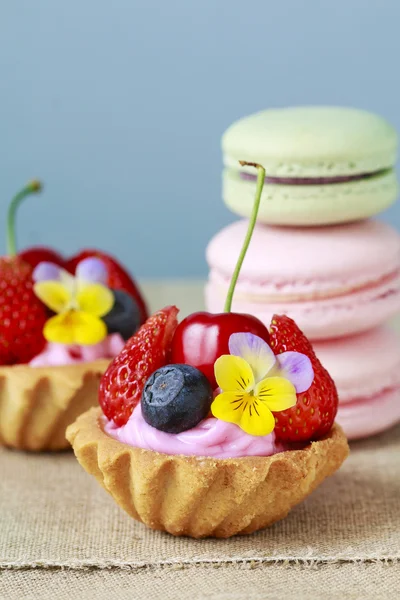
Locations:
column 119, row 107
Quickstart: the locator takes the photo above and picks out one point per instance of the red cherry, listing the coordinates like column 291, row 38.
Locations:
column 202, row 337
column 37, row 254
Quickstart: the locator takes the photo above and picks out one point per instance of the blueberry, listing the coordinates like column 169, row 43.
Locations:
column 176, row 398
column 124, row 317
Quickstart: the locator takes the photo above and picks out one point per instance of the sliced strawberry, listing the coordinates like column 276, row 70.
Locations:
column 118, row 277
column 315, row 410
column 122, row 384
column 22, row 315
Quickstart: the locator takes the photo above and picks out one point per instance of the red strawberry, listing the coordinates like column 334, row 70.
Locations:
column 22, row 315
column 119, row 278
column 122, row 384
column 315, row 410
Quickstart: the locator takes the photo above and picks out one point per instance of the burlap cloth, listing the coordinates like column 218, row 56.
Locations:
column 60, row 533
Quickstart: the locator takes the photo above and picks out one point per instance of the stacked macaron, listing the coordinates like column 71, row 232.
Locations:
column 315, row 254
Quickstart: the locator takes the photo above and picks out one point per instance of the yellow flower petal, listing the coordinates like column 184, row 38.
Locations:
column 277, row 393
column 257, row 419
column 233, row 374
column 94, row 299
column 75, row 327
column 53, row 294
column 58, row 329
column 89, row 329
column 252, row 416
column 229, row 406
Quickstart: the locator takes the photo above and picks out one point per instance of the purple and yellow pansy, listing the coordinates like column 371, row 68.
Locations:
column 79, row 301
column 254, row 383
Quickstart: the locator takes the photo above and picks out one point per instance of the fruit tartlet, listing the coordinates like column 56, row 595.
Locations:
column 213, row 427
column 61, row 323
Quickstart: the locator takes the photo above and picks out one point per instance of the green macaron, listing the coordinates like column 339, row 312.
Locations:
column 324, row 165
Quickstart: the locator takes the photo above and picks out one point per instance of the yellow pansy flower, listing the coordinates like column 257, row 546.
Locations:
column 255, row 383
column 79, row 303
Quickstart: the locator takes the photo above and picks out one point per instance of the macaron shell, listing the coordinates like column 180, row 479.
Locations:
column 370, row 416
column 332, row 281
column 332, row 257
column 366, row 371
column 362, row 365
column 311, row 204
column 312, row 141
column 329, row 318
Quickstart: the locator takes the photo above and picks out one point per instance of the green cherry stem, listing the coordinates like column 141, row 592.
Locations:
column 250, row 229
column 32, row 187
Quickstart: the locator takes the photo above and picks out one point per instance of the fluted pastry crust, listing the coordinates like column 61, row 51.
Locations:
column 37, row 404
column 202, row 496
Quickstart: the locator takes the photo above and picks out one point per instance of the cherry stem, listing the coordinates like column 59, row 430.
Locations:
column 250, row 229
column 32, row 187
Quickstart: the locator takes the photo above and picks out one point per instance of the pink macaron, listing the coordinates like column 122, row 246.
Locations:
column 332, row 281
column 366, row 370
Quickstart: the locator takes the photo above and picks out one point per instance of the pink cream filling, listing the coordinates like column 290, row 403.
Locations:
column 210, row 438
column 61, row 354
